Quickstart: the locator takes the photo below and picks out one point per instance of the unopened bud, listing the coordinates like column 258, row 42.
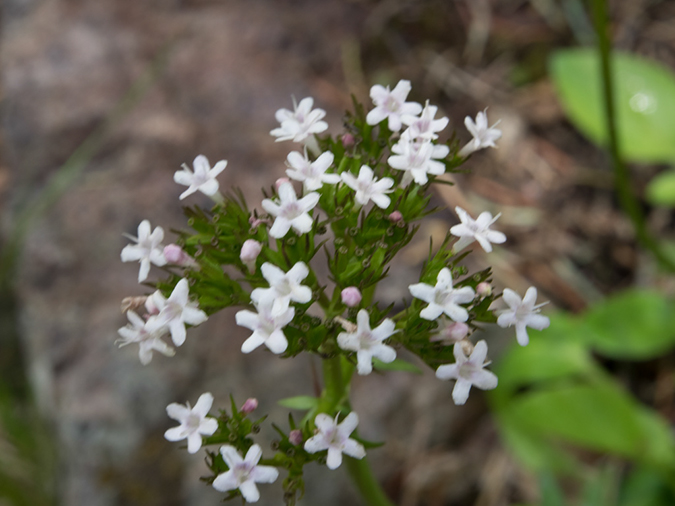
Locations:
column 132, row 303
column 395, row 217
column 150, row 305
column 467, row 347
column 351, row 296
column 175, row 255
column 348, row 140
column 255, row 221
column 452, row 333
column 249, row 406
column 295, row 437
column 249, row 253
column 484, row 289
column 281, row 181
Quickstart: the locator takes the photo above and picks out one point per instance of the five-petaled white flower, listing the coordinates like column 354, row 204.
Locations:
column 175, row 312
column 367, row 343
column 148, row 341
column 290, row 212
column 193, row 422
column 476, row 230
column 443, row 298
column 266, row 325
column 244, row 473
column 148, row 249
column 203, row 178
column 368, row 187
column 468, row 372
column 312, row 174
column 424, row 126
column 335, row 438
column 284, row 287
column 418, row 159
column 391, row 104
column 299, row 124
column 522, row 314
column 483, row 136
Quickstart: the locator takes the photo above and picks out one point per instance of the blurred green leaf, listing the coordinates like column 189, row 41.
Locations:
column 300, row 402
column 397, row 365
column 645, row 487
column 551, row 495
column 645, row 101
column 661, row 189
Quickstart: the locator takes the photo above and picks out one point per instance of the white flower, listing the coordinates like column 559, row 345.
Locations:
column 476, row 230
column 284, row 287
column 203, row 178
column 418, row 158
column 368, row 343
column 522, row 314
column 148, row 249
column 312, row 174
column 334, row 437
column 266, row 326
column 244, row 473
column 176, row 311
column 483, row 137
column 301, row 123
column 193, row 422
column 290, row 212
column 391, row 104
column 148, row 341
column 468, row 372
column 443, row 298
column 249, row 253
column 368, row 187
column 425, row 126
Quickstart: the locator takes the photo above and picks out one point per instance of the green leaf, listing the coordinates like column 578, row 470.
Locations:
column 645, row 101
column 396, row 365
column 637, row 324
column 661, row 189
column 302, row 402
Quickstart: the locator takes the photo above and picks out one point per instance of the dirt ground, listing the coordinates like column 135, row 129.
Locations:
column 228, row 66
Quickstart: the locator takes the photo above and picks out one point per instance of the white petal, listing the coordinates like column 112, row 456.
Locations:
column 315, row 444
column 177, row 411
column 422, row 291
column 349, row 424
column 521, row 334
column 385, row 353
column 298, row 272
column 324, row 422
column 432, row 311
column 530, row 297
column 203, row 405
column 485, row 380
column 177, row 329
column 253, row 455
column 249, row 491
column 226, row 481
column 230, row 456
column 175, row 434
column 354, row 449
column 538, row 322
column 364, row 365
column 194, row 442
column 302, row 224
column 511, row 298
column 208, row 426
column 276, row 342
column 447, row 371
column 248, row 319
column 461, row 391
column 334, row 458
column 273, row 274
column 264, row 474
column 455, row 312
column 255, row 340
column 144, row 270
column 280, row 228
column 479, row 354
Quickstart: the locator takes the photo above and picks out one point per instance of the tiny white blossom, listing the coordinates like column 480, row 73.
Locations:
column 369, row 188
column 443, row 298
column 367, row 343
column 267, row 328
column 312, row 174
column 290, row 212
column 249, row 253
column 468, row 372
column 176, row 311
column 391, row 104
column 299, row 124
column 418, row 159
column 483, row 136
column 203, row 178
column 522, row 313
column 335, row 438
column 476, row 230
column 149, row 249
column 148, row 341
column 244, row 473
column 425, row 126
column 450, row 332
column 284, row 287
column 193, row 422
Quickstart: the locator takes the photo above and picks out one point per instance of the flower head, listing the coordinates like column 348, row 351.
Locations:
column 284, row 287
column 369, row 188
column 249, row 253
column 193, row 422
column 470, row 230
column 391, row 104
column 203, row 178
column 483, row 136
column 244, row 473
column 334, row 437
column 522, row 313
column 148, row 341
column 299, row 124
column 148, row 249
column 418, row 158
column 266, row 326
column 175, row 255
column 312, row 174
column 468, row 372
column 351, row 296
column 367, row 343
column 425, row 126
column 290, row 212
column 443, row 298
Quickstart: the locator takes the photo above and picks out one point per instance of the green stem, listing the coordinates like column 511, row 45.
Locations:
column 627, row 198
column 364, row 479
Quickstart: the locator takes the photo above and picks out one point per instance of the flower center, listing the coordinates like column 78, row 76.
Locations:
column 193, row 422
column 242, row 472
column 291, row 211
column 392, row 105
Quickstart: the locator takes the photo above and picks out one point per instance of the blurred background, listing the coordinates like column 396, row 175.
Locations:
column 103, row 100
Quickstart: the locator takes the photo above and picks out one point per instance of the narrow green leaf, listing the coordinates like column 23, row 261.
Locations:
column 661, row 189
column 302, row 402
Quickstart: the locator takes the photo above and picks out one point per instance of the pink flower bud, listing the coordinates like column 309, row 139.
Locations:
column 348, row 140
column 150, row 306
column 255, row 221
column 249, row 253
column 249, row 406
column 395, row 217
column 295, row 437
column 452, row 332
column 484, row 289
column 351, row 296
column 175, row 255
column 281, row 181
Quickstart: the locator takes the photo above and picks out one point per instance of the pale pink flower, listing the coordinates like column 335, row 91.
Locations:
column 290, row 212
column 522, row 313
column 391, row 104
column 244, row 473
column 468, row 372
column 148, row 249
column 443, row 298
column 335, row 438
column 193, row 422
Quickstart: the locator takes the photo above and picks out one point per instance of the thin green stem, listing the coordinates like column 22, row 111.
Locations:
column 364, row 479
column 627, row 198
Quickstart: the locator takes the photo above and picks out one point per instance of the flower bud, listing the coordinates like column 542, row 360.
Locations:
column 452, row 333
column 348, row 140
column 295, row 437
column 281, row 181
column 484, row 289
column 351, row 296
column 395, row 217
column 249, row 406
column 249, row 253
column 175, row 255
